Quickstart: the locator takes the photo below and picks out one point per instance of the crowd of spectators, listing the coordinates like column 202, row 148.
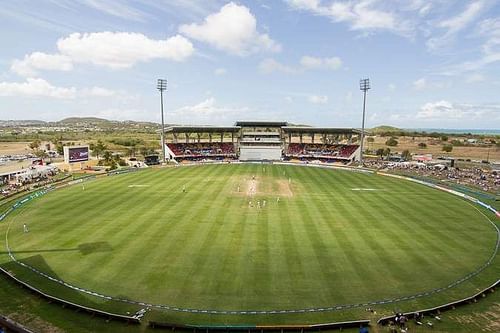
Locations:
column 202, row 149
column 321, row 150
column 486, row 180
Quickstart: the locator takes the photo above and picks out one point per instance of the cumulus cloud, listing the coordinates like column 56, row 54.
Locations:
column 207, row 107
column 270, row 65
column 98, row 92
column 114, row 50
column 318, row 99
column 220, row 71
column 232, row 29
column 448, row 111
column 420, row 84
column 310, row 62
column 122, row 49
column 208, row 111
column 32, row 63
column 35, row 87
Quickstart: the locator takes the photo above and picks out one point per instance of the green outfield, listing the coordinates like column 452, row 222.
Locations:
column 251, row 237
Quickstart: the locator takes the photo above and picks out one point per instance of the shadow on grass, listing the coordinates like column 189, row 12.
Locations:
column 57, row 290
column 85, row 249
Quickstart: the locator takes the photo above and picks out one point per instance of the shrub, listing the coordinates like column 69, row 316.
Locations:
column 447, row 148
column 391, row 142
column 422, row 145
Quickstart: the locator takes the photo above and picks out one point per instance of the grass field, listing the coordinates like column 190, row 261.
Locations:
column 335, row 237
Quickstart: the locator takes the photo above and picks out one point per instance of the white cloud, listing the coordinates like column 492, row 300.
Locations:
column 365, row 15
column 35, row 87
column 116, row 9
column 41, row 61
column 476, row 77
column 448, row 111
column 310, row 62
column 116, row 50
column 220, row 71
column 233, row 29
column 456, row 24
column 207, row 111
column 391, row 87
column 122, row 49
column 304, row 4
column 269, row 65
column 97, row 92
column 420, row 84
column 318, row 99
column 289, row 99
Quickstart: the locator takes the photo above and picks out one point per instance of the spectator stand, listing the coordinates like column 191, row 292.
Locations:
column 201, row 142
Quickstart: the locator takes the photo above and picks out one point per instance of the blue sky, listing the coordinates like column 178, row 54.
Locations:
column 432, row 63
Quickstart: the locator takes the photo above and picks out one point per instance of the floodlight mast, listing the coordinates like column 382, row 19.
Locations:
column 364, row 85
column 162, row 86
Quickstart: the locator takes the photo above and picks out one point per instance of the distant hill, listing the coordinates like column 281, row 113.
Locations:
column 6, row 123
column 79, row 120
column 385, row 129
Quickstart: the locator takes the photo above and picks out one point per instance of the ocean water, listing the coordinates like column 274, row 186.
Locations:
column 457, row 131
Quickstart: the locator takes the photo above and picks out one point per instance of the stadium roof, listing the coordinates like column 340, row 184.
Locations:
column 320, row 130
column 201, row 129
column 259, row 123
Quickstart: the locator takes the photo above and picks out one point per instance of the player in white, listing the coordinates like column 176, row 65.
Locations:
column 183, row 188
column 263, row 203
column 25, row 228
column 258, row 204
column 83, row 187
column 278, row 199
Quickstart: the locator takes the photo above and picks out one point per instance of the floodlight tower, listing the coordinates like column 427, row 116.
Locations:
column 364, row 86
column 162, row 86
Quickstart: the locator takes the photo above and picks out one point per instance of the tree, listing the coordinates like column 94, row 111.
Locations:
column 422, row 145
column 380, row 152
column 406, row 155
column 35, row 145
column 60, row 148
column 447, row 148
column 444, row 138
column 98, row 148
column 370, row 139
column 41, row 154
column 391, row 142
column 387, row 151
column 108, row 157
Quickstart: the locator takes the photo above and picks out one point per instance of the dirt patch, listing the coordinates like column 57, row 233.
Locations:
column 14, row 148
column 251, row 187
column 263, row 186
column 285, row 188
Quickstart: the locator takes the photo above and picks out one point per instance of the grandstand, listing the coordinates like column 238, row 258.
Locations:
column 261, row 141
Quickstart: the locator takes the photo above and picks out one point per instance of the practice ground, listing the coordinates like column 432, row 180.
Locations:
column 323, row 238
